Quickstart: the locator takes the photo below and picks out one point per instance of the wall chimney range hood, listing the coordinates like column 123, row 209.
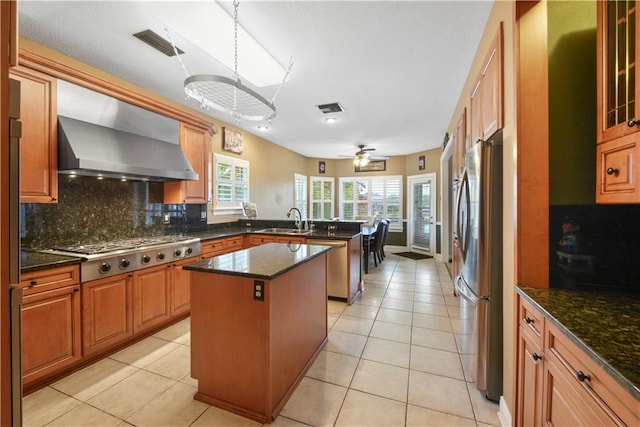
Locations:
column 105, row 137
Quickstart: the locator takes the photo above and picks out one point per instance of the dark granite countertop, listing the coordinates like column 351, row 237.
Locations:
column 237, row 231
column 32, row 261
column 604, row 323
column 266, row 261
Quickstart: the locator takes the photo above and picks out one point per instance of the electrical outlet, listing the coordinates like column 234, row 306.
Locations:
column 258, row 290
column 166, row 219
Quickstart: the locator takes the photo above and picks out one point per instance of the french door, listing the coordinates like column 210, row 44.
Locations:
column 421, row 230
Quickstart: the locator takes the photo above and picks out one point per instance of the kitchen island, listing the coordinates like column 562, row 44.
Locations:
column 258, row 321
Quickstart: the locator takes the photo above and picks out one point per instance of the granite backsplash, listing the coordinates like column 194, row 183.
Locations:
column 595, row 245
column 90, row 210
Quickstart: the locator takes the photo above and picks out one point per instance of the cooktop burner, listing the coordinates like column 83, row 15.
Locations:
column 118, row 245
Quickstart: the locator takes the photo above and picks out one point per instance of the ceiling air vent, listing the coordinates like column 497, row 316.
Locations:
column 157, row 42
column 331, row 108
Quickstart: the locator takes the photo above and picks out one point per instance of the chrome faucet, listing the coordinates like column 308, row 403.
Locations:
column 298, row 221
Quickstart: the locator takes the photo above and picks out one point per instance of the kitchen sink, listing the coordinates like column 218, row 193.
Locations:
column 276, row 230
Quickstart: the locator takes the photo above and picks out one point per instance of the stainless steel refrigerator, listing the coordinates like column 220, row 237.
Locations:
column 478, row 230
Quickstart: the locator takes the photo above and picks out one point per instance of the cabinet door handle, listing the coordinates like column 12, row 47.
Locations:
column 612, row 171
column 76, row 289
column 633, row 122
column 529, row 320
column 582, row 377
column 536, row 357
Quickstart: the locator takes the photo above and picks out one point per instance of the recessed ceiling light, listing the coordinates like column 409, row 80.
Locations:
column 331, row 119
column 263, row 128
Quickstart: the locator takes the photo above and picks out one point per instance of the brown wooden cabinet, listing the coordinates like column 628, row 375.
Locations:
column 195, row 143
column 106, row 313
column 51, row 339
column 180, row 288
column 39, row 142
column 618, row 118
column 530, row 363
column 151, row 297
column 291, row 240
column 259, row 239
column 460, row 144
column 558, row 384
column 211, row 248
column 486, row 106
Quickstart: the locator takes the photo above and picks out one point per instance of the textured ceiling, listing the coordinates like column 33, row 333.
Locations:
column 396, row 67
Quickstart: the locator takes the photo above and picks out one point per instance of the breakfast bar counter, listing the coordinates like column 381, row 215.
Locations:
column 258, row 321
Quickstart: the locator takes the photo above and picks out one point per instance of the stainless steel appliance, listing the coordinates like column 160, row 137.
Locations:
column 337, row 268
column 111, row 258
column 479, row 234
column 103, row 136
column 15, row 297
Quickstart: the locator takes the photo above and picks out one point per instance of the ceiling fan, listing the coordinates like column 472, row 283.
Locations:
column 362, row 157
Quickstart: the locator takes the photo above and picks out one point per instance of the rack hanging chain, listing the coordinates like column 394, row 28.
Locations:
column 175, row 51
column 236, row 76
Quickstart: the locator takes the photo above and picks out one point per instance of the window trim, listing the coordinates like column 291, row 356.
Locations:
column 299, row 177
column 321, row 179
column 395, row 227
column 233, row 208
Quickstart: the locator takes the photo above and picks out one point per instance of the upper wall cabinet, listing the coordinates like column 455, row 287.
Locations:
column 39, row 142
column 618, row 118
column 459, row 144
column 195, row 143
column 486, row 115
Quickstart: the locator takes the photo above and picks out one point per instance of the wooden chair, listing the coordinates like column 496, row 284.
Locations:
column 375, row 247
column 384, row 237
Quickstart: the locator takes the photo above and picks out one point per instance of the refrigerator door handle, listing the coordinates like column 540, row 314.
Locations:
column 465, row 291
column 462, row 222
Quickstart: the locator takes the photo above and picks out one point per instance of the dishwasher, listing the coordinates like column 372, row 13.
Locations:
column 337, row 264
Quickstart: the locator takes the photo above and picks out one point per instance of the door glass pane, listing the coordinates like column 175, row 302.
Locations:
column 422, row 215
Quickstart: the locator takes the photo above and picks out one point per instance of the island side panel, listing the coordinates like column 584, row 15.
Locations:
column 298, row 314
column 355, row 269
column 229, row 343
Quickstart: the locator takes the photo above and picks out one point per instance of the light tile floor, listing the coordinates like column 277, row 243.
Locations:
column 394, row 358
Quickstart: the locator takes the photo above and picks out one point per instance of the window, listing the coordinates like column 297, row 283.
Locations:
column 300, row 193
column 375, row 195
column 321, row 198
column 231, row 186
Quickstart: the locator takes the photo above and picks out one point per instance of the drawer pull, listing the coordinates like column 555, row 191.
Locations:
column 582, row 377
column 33, row 283
column 536, row 357
column 529, row 320
column 612, row 171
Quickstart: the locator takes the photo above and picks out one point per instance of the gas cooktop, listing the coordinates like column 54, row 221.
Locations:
column 119, row 245
column 104, row 259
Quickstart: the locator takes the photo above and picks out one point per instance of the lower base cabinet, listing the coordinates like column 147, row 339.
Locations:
column 151, row 297
column 106, row 313
column 51, row 332
column 558, row 384
column 180, row 289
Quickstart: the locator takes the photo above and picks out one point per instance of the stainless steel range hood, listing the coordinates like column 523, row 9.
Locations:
column 102, row 136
